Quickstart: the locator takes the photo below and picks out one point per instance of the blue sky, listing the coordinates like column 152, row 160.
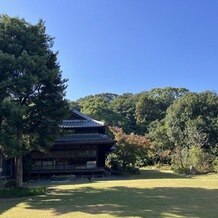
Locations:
column 129, row 45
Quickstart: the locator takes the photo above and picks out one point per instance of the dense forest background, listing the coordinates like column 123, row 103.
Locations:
column 177, row 122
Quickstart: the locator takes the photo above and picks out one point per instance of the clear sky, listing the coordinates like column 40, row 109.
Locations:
column 129, row 45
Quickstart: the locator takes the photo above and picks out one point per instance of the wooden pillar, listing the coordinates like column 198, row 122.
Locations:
column 1, row 166
column 101, row 156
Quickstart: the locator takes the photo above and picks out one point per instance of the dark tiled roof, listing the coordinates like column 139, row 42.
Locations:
column 85, row 138
column 79, row 123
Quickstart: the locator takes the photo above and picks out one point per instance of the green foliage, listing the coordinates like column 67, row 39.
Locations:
column 125, row 106
column 180, row 160
column 169, row 117
column 215, row 164
column 132, row 113
column 74, row 105
column 21, row 192
column 131, row 151
column 192, row 119
column 31, row 86
column 107, row 107
column 152, row 105
column 161, row 143
column 32, row 90
column 163, row 167
column 95, row 106
column 196, row 157
column 189, row 160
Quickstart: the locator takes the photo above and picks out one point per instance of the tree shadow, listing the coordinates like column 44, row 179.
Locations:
column 126, row 201
column 6, row 204
column 144, row 174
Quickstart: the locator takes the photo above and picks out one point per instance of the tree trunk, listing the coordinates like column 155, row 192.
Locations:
column 19, row 163
column 1, row 166
column 19, row 170
column 180, row 159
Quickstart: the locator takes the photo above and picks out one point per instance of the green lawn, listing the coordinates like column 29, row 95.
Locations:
column 151, row 194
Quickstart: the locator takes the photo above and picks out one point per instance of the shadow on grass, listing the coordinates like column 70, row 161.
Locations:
column 124, row 202
column 144, row 174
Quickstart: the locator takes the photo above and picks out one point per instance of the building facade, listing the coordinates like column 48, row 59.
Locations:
column 81, row 150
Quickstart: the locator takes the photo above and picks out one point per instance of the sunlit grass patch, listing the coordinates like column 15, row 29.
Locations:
column 151, row 194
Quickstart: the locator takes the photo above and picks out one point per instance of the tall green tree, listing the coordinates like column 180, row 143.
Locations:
column 160, row 141
column 99, row 107
column 152, row 105
column 125, row 105
column 193, row 120
column 32, row 90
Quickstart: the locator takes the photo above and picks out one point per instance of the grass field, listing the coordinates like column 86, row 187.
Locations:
column 151, row 194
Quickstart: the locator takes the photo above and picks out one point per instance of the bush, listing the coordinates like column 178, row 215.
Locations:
column 179, row 159
column 215, row 165
column 131, row 170
column 160, row 166
column 181, row 170
column 21, row 192
column 191, row 161
column 196, row 157
column 131, row 152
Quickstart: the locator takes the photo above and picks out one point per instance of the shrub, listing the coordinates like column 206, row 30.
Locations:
column 132, row 170
column 179, row 159
column 21, row 192
column 131, row 151
column 160, row 166
column 215, row 165
column 181, row 170
column 196, row 157
column 191, row 160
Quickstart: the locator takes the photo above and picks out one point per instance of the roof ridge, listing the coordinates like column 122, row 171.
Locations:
column 87, row 118
column 80, row 114
column 78, row 134
column 76, row 120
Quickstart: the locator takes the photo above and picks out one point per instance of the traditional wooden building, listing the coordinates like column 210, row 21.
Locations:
column 81, row 150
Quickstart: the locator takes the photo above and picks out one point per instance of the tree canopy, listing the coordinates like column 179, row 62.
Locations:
column 31, row 87
column 193, row 119
column 169, row 117
column 131, row 151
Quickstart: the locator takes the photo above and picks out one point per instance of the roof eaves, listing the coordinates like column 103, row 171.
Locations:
column 88, row 118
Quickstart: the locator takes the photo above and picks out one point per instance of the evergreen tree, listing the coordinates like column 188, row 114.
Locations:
column 32, row 90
